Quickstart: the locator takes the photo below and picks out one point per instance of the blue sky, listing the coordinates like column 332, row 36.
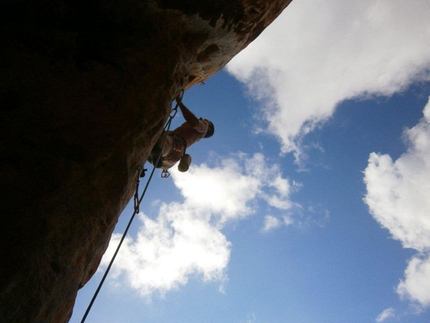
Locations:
column 311, row 203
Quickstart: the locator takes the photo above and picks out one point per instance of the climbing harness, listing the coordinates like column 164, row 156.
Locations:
column 178, row 146
column 137, row 200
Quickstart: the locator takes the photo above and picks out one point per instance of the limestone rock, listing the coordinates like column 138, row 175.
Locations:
column 85, row 89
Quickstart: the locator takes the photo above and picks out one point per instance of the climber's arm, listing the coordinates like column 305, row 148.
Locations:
column 188, row 115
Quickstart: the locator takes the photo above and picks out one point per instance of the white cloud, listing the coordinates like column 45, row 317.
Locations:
column 319, row 53
column 287, row 220
column 185, row 239
column 178, row 244
column 398, row 196
column 223, row 190
column 416, row 285
column 398, row 193
column 386, row 314
column 251, row 318
column 271, row 223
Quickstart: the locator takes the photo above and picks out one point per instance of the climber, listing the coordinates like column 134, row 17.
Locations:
column 177, row 141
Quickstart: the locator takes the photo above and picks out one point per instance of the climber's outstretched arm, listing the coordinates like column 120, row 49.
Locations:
column 188, row 115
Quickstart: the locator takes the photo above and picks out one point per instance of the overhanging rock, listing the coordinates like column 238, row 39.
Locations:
column 86, row 87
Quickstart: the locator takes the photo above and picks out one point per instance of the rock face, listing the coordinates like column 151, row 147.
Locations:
column 85, row 89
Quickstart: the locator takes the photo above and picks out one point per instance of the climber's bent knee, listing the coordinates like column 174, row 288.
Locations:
column 185, row 163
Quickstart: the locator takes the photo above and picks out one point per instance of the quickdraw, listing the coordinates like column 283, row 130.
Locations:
column 136, row 193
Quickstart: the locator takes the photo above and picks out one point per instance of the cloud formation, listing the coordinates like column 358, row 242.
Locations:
column 386, row 314
column 398, row 196
column 185, row 239
column 416, row 285
column 271, row 223
column 320, row 53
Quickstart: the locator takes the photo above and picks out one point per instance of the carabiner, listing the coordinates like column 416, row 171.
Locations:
column 165, row 173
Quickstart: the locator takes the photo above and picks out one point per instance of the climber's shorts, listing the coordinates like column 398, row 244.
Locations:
column 177, row 150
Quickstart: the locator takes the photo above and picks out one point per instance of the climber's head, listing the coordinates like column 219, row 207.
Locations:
column 211, row 129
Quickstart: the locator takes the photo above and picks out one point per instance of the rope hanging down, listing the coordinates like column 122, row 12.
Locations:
column 137, row 202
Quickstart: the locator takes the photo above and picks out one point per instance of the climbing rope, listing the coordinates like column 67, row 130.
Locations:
column 137, row 201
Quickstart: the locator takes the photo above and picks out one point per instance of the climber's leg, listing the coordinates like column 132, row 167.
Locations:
column 185, row 163
column 157, row 152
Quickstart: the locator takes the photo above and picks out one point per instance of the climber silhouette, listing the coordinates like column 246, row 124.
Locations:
column 178, row 140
